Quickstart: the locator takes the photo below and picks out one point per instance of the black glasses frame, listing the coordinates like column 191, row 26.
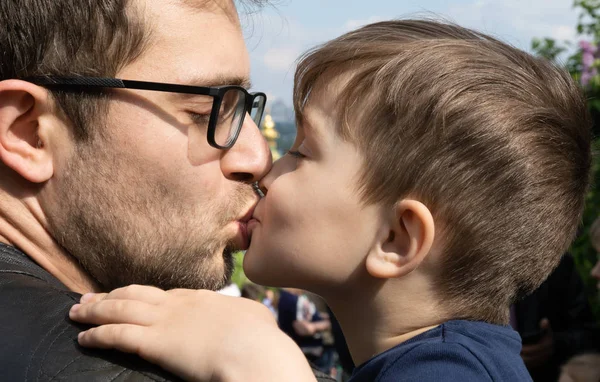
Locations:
column 217, row 92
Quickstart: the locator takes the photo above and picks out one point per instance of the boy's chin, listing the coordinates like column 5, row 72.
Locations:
column 262, row 268
column 256, row 266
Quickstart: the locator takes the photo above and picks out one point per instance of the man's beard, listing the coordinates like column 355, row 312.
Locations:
column 130, row 228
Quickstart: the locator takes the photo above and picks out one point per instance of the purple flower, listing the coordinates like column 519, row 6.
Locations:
column 585, row 78
column 589, row 53
column 587, row 59
column 587, row 46
column 587, row 75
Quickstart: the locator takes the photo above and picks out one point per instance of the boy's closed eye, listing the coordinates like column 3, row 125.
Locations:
column 296, row 154
column 300, row 149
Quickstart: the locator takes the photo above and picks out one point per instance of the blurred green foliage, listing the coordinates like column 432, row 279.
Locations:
column 588, row 28
column 238, row 277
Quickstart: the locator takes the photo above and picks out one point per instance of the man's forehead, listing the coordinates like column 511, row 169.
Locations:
column 192, row 48
column 225, row 6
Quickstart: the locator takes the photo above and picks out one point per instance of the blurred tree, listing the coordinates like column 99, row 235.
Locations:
column 547, row 48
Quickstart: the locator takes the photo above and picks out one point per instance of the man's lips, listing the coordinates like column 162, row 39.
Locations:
column 248, row 215
column 243, row 236
column 253, row 222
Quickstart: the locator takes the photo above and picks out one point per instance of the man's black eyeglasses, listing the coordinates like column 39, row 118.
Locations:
column 229, row 107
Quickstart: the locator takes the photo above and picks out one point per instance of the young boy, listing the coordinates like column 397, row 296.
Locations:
column 438, row 174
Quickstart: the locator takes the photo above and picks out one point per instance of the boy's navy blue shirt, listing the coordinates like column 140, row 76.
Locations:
column 454, row 351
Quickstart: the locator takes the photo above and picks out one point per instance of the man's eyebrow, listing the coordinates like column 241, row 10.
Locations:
column 210, row 82
column 219, row 81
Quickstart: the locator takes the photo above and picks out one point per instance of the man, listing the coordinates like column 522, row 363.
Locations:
column 109, row 183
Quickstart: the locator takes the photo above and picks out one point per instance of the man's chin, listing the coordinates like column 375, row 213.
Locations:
column 228, row 264
column 212, row 272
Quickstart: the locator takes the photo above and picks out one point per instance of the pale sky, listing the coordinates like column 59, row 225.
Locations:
column 277, row 35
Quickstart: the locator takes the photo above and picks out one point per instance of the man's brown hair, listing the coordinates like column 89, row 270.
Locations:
column 493, row 140
column 69, row 38
column 93, row 38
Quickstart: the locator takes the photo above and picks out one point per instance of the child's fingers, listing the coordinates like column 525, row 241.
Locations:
column 148, row 294
column 123, row 337
column 114, row 312
column 92, row 297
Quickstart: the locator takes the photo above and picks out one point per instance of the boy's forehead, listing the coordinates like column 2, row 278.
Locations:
column 318, row 118
column 322, row 100
column 323, row 109
column 326, row 90
column 329, row 86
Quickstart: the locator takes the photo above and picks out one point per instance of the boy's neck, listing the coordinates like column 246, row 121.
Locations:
column 383, row 315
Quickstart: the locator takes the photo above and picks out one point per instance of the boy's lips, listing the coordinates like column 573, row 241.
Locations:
column 250, row 227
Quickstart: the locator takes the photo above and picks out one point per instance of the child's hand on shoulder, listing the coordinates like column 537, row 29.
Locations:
column 196, row 334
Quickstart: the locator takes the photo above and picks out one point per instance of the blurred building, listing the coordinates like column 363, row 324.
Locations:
column 279, row 127
column 281, row 112
column 271, row 134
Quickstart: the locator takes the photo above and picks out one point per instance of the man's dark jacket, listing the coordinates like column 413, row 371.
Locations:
column 38, row 341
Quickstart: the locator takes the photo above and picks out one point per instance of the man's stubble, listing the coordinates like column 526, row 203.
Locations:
column 126, row 225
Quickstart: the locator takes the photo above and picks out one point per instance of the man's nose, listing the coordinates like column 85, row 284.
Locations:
column 250, row 157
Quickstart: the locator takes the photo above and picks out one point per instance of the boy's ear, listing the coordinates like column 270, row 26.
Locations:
column 405, row 241
column 25, row 130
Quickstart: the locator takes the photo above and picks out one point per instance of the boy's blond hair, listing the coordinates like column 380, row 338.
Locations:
column 494, row 141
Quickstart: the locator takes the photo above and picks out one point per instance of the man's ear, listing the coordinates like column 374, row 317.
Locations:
column 405, row 242
column 24, row 130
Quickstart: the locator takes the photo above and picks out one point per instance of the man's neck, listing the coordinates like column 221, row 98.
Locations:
column 19, row 227
column 377, row 318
